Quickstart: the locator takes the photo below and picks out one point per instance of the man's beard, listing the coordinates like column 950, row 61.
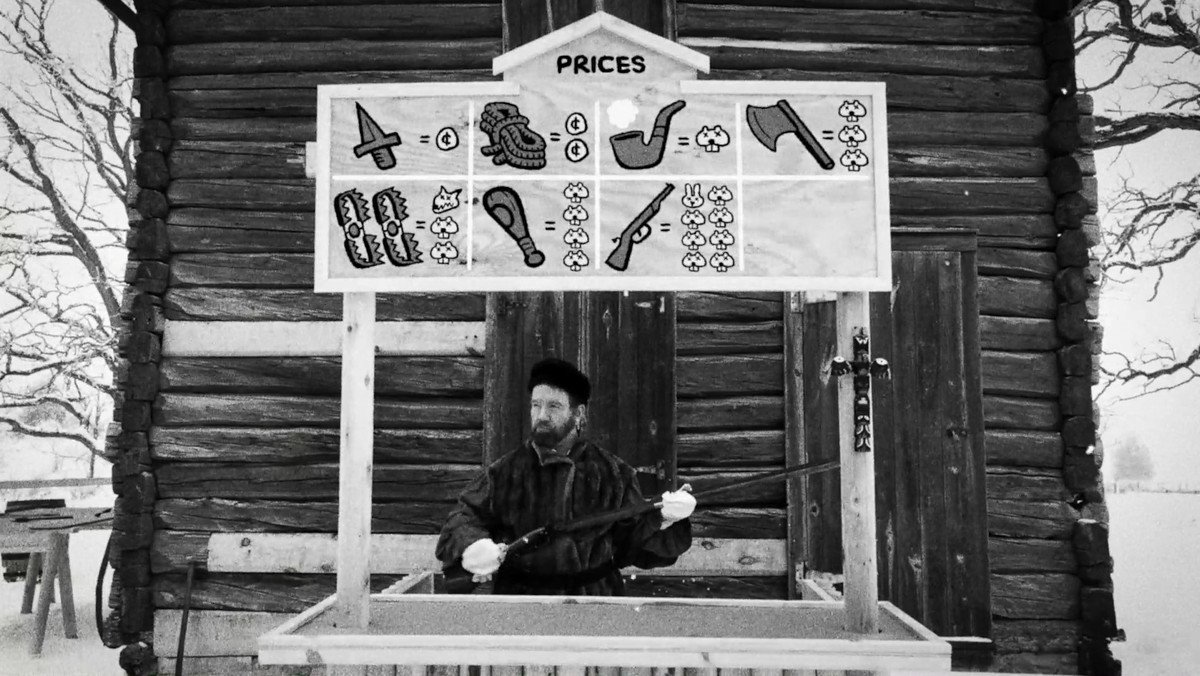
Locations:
column 547, row 435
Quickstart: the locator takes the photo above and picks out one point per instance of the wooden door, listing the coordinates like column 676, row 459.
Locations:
column 928, row 444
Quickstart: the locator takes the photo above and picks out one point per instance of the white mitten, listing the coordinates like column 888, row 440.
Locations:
column 483, row 557
column 677, row 506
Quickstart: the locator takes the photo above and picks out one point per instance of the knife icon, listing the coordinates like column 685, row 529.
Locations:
column 374, row 141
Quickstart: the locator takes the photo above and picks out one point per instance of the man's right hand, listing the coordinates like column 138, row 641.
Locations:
column 483, row 557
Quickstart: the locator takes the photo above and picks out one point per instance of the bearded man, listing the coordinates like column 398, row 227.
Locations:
column 557, row 476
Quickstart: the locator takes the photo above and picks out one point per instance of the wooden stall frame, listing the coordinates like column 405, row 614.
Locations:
column 351, row 605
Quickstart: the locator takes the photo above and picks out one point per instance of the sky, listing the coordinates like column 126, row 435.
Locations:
column 1167, row 421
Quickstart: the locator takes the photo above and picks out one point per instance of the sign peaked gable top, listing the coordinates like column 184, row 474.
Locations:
column 591, row 24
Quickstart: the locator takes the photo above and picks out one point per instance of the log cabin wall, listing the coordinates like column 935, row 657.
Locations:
column 984, row 128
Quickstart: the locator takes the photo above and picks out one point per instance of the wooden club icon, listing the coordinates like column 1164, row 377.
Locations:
column 504, row 205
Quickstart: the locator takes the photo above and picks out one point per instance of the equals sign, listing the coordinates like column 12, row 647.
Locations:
column 555, row 137
column 827, row 134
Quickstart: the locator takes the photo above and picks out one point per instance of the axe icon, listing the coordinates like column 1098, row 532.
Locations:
column 768, row 123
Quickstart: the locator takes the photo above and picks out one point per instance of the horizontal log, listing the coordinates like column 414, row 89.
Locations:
column 1024, row 61
column 1004, row 412
column 1023, row 448
column 728, row 307
column 259, row 129
column 729, row 375
column 909, row 195
column 1003, row 262
column 963, row 160
column 1035, row 636
column 174, row 551
column 289, row 94
column 237, row 159
column 1010, row 555
column 886, row 26
column 1012, row 297
column 925, row 128
column 941, row 93
column 765, row 493
column 730, row 449
column 365, row 22
column 222, row 515
column 1047, row 596
column 1021, row 374
column 317, row 481
column 733, row 413
column 206, row 304
column 729, row 522
column 248, row 591
column 300, row 445
column 332, row 55
column 1016, row 518
column 981, row 6
column 266, row 410
column 225, row 230
column 1013, row 483
column 728, row 337
column 1041, row 663
column 1018, row 333
column 1025, row 231
column 278, row 339
column 933, row 128
column 394, row 376
column 967, row 196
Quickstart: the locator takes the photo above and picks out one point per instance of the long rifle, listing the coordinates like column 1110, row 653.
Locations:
column 636, row 232
column 459, row 581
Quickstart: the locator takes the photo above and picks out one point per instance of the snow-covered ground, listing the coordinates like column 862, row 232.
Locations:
column 1155, row 542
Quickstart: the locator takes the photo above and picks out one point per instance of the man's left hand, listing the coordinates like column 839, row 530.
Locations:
column 676, row 506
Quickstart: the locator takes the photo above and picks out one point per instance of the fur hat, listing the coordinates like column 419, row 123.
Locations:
column 562, row 375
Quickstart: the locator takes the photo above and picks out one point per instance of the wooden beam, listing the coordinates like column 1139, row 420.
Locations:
column 354, row 478
column 124, row 13
column 315, row 553
column 858, row 483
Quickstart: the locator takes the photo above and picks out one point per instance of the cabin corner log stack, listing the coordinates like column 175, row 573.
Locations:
column 1071, row 173
column 982, row 135
column 130, row 600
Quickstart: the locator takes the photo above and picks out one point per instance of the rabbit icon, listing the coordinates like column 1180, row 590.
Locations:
column 691, row 196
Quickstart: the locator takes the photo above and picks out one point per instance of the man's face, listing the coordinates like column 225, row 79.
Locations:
column 551, row 415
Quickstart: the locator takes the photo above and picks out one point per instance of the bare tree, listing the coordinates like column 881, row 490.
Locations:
column 1147, row 229
column 1130, row 459
column 66, row 167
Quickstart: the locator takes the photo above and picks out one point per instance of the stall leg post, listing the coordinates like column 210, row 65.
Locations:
column 859, row 565
column 354, row 471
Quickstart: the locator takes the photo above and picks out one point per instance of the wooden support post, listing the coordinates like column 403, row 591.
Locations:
column 354, row 473
column 858, row 484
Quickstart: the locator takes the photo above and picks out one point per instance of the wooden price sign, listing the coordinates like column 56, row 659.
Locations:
column 600, row 162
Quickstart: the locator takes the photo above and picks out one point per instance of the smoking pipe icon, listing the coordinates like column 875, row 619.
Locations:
column 632, row 151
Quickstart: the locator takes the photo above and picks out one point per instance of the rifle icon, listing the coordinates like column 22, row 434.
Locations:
column 636, row 232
